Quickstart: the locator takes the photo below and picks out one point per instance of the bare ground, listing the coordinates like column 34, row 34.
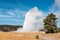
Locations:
column 28, row 36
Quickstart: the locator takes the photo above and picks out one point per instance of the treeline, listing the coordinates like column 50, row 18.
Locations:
column 8, row 28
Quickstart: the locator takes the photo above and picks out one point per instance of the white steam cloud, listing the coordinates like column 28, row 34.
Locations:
column 33, row 20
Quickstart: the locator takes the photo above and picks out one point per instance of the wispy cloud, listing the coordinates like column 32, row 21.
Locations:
column 4, row 15
column 55, row 6
column 13, row 13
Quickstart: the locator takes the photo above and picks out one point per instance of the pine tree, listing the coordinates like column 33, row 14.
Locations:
column 50, row 25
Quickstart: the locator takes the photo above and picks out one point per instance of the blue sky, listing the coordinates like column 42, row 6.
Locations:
column 12, row 12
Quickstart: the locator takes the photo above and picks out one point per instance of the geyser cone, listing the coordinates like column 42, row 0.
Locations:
column 32, row 20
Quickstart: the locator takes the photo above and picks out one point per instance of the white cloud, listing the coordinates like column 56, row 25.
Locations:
column 11, row 13
column 20, row 12
column 16, row 13
column 57, row 2
column 55, row 6
column 4, row 15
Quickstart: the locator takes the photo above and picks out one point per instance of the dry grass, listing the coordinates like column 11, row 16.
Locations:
column 28, row 36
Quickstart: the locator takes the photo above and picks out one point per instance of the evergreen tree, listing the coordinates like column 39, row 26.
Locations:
column 50, row 25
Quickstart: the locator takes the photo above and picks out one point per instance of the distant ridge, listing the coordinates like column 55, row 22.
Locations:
column 8, row 28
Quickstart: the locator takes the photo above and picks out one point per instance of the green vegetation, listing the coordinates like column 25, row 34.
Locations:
column 50, row 25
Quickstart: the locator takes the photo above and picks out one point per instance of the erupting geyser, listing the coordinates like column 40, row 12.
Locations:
column 33, row 20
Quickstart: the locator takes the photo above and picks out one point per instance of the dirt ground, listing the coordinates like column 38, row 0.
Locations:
column 28, row 36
